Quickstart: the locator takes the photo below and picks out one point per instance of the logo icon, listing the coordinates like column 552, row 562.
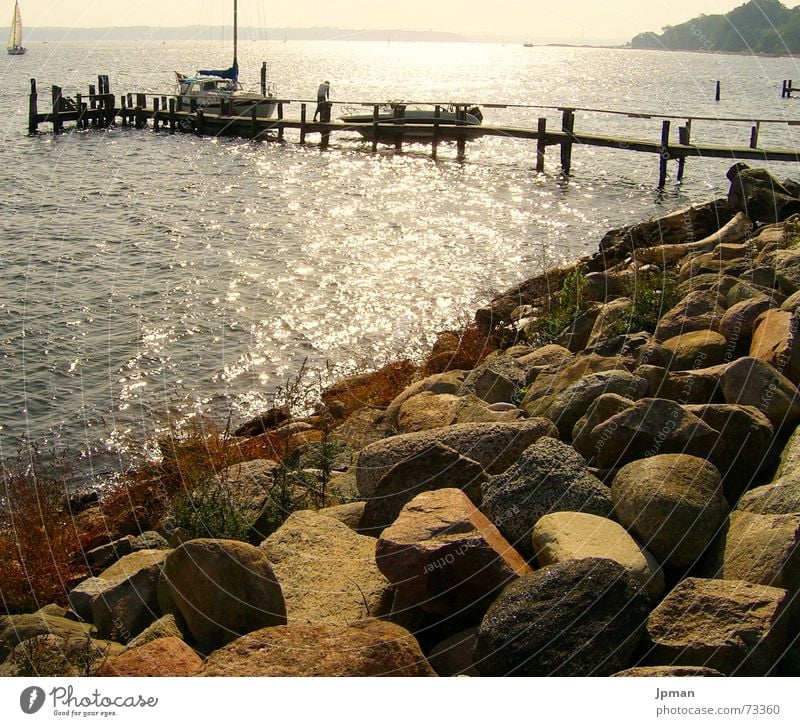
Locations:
column 31, row 700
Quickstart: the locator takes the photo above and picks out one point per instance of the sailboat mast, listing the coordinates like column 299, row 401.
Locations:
column 235, row 30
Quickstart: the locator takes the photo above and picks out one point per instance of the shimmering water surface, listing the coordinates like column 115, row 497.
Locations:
column 146, row 275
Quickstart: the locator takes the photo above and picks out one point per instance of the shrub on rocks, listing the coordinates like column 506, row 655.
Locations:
column 368, row 648
column 575, row 618
column 223, row 589
column 549, row 477
column 673, row 503
column 734, row 627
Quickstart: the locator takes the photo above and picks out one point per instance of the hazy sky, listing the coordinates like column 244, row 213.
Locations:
column 611, row 19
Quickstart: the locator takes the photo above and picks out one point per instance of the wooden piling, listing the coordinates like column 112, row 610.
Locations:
column 199, row 121
column 684, row 138
column 173, row 122
column 437, row 115
column 33, row 110
column 541, row 144
column 717, row 94
column 663, row 155
column 399, row 120
column 375, row 125
column 156, row 106
column 754, row 135
column 280, row 120
column 568, row 127
column 303, row 116
column 57, row 123
column 264, row 78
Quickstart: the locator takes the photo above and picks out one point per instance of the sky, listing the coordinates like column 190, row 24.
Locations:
column 536, row 19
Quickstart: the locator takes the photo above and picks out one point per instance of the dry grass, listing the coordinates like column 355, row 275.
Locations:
column 461, row 350
column 38, row 541
column 376, row 390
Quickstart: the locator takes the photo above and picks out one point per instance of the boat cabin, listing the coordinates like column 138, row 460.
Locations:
column 204, row 86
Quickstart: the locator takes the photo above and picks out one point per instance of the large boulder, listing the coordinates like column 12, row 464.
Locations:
column 650, row 426
column 782, row 496
column 759, row 195
column 575, row 618
column 601, row 409
column 734, row 627
column 568, row 406
column 775, row 340
column 754, row 382
column 672, row 503
column 449, row 382
column 763, row 549
column 744, row 444
column 165, row 627
column 549, row 477
column 445, row 555
column 701, row 310
column 789, row 464
column 326, row 571
column 696, row 349
column 125, row 599
column 47, row 656
column 437, row 467
column 453, row 656
column 495, row 446
column 435, row 410
column 368, row 648
column 223, row 589
column 499, row 378
column 697, row 386
column 739, row 320
column 576, row 535
column 163, row 657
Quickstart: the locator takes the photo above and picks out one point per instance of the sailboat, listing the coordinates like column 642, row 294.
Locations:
column 212, row 89
column 15, row 37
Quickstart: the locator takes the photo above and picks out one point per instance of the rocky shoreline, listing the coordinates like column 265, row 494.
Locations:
column 600, row 477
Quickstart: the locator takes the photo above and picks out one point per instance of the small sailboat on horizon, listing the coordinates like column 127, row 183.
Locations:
column 15, row 36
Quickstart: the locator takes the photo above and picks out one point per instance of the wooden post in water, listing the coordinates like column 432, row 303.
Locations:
column 253, row 122
column 684, row 138
column 172, row 119
column 123, row 111
column 303, row 114
column 33, row 110
column 155, row 113
column 567, row 126
column 541, row 144
column 663, row 154
column 375, row 124
column 200, row 122
column 399, row 119
column 79, row 108
column 280, row 121
column 754, row 135
column 57, row 124
column 437, row 115
column 717, row 95
column 264, row 78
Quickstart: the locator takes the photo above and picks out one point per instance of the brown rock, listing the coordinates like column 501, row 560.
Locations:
column 673, row 503
column 445, row 555
column 732, row 626
column 326, row 571
column 754, row 382
column 763, row 549
column 163, row 657
column 697, row 349
column 775, row 340
column 697, row 311
column 668, row 672
column 369, row 648
column 495, row 446
column 431, row 411
column 223, row 589
column 453, row 656
column 575, row 535
column 739, row 319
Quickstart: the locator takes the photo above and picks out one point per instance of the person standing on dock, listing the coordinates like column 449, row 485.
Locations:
column 323, row 106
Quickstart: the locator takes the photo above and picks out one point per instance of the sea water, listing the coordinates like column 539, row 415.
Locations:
column 148, row 277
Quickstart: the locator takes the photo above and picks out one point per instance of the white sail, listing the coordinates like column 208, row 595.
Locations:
column 15, row 37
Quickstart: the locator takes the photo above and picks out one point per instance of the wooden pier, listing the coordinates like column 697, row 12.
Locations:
column 101, row 109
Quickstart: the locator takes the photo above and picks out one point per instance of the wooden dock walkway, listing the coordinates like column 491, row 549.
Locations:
column 100, row 109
